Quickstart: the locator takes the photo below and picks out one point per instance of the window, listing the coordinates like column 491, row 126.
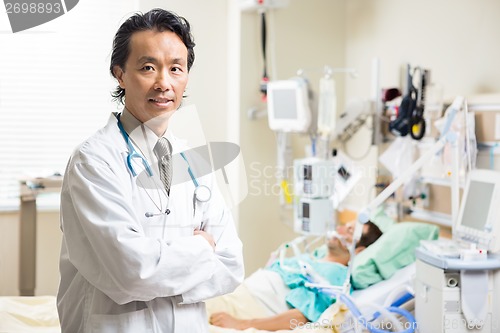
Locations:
column 54, row 90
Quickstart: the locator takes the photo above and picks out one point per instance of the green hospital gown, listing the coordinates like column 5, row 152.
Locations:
column 311, row 302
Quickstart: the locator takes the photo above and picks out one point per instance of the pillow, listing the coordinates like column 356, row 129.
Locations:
column 395, row 249
column 381, row 219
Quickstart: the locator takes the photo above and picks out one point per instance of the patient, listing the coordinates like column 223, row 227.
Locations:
column 305, row 304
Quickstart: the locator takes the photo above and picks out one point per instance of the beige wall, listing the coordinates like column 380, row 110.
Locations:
column 456, row 39
column 207, row 87
column 47, row 261
column 304, row 36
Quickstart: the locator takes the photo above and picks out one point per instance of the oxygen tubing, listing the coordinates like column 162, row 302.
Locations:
column 362, row 320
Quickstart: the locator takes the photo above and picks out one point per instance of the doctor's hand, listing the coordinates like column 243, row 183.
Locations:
column 207, row 236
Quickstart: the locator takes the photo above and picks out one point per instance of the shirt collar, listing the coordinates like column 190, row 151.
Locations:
column 143, row 137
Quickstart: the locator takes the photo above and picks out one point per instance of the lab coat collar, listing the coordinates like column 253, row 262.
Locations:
column 144, row 138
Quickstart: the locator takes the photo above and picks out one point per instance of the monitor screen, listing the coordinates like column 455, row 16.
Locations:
column 288, row 105
column 479, row 218
column 305, row 210
column 477, row 204
column 307, row 172
column 285, row 106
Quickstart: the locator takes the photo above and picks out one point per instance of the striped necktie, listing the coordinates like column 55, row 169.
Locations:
column 163, row 151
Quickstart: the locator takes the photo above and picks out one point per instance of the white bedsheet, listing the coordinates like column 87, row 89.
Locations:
column 379, row 292
column 29, row 315
column 39, row 314
column 270, row 291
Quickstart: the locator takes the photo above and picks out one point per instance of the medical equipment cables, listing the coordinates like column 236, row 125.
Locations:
column 265, row 77
column 361, row 319
column 280, row 252
column 316, row 281
column 446, row 136
column 347, row 300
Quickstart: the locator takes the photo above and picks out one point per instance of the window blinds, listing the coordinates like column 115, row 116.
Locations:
column 54, row 90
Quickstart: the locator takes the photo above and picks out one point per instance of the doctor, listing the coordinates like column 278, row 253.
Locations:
column 139, row 253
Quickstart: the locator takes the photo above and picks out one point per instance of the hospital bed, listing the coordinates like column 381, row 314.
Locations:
column 385, row 271
column 39, row 315
column 245, row 305
column 29, row 314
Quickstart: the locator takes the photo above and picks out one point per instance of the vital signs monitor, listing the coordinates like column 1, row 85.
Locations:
column 479, row 216
column 288, row 105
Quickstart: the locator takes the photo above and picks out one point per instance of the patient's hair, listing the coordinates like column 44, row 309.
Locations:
column 369, row 237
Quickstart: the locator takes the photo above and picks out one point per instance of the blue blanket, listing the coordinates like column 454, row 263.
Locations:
column 311, row 302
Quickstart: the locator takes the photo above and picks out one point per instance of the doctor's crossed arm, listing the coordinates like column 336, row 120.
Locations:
column 207, row 236
column 133, row 258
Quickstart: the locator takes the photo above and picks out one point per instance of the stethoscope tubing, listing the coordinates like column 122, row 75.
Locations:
column 134, row 154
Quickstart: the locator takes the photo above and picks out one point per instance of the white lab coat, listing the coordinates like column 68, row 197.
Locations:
column 124, row 272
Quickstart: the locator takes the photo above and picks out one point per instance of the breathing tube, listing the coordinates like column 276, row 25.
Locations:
column 392, row 309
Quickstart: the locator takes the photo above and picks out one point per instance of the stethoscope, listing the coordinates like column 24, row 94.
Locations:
column 201, row 194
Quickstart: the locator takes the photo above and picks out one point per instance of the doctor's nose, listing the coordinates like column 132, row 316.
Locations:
column 163, row 82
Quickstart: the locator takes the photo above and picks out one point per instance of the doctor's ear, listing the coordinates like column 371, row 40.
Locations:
column 118, row 73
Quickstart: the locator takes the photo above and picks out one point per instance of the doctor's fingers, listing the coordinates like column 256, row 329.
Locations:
column 207, row 236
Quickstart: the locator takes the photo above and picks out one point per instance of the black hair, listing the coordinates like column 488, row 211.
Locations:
column 371, row 236
column 156, row 19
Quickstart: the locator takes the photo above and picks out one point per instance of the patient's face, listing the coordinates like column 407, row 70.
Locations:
column 338, row 248
column 347, row 230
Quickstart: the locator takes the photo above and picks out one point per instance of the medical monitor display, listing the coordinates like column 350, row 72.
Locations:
column 284, row 104
column 288, row 105
column 479, row 217
column 307, row 172
column 305, row 210
column 477, row 204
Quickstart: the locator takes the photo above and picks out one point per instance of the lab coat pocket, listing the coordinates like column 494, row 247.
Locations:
column 130, row 322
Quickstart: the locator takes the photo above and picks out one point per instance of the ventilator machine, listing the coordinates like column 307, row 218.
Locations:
column 457, row 287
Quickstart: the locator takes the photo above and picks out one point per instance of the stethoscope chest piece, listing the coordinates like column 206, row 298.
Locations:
column 202, row 193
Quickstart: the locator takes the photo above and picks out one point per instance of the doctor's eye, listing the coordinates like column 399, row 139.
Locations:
column 148, row 68
column 177, row 69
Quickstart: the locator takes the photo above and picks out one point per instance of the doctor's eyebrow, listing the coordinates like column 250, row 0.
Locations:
column 179, row 61
column 146, row 59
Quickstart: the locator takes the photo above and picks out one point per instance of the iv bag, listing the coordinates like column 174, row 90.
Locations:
column 327, row 108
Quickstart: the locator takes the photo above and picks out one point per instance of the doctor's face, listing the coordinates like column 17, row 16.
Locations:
column 155, row 74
